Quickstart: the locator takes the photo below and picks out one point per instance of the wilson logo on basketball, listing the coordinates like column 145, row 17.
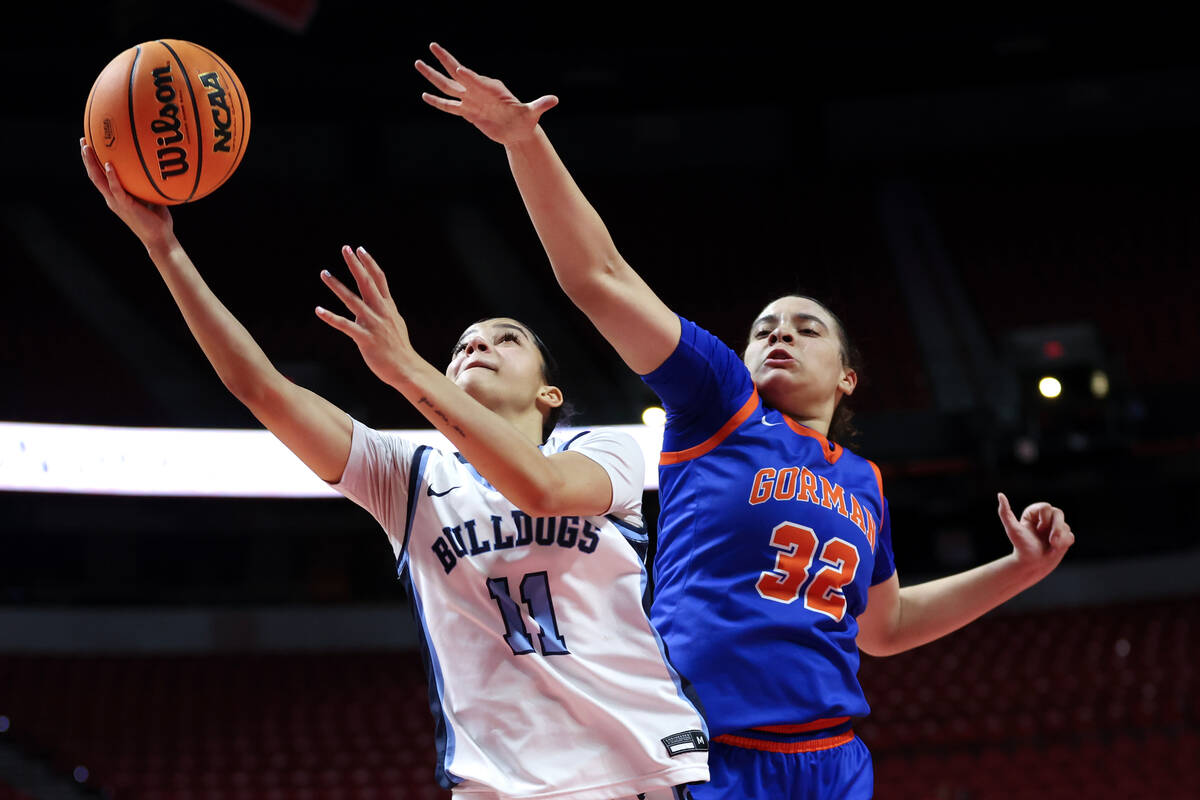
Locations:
column 172, row 159
column 151, row 107
column 222, row 119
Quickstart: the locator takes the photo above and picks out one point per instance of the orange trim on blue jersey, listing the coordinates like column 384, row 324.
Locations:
column 811, row 746
column 832, row 450
column 677, row 456
column 879, row 483
column 815, row 725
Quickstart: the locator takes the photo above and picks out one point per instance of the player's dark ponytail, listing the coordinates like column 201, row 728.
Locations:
column 550, row 373
column 841, row 427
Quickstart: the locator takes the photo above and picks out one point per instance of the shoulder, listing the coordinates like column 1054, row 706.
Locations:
column 617, row 452
column 850, row 461
column 865, row 470
column 386, row 451
column 695, row 344
column 575, row 441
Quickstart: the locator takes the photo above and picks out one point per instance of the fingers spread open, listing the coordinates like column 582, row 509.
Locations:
column 449, row 106
column 449, row 62
column 352, row 301
column 375, row 272
column 366, row 284
column 341, row 323
column 444, row 84
column 468, row 75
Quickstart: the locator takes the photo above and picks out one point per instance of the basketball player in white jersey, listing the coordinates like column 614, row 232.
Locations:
column 522, row 554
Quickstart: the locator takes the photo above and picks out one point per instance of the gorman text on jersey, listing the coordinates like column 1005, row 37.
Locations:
column 801, row 485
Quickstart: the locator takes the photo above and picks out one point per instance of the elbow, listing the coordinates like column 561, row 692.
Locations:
column 249, row 393
column 538, row 501
column 887, row 645
column 878, row 649
column 547, row 495
column 253, row 391
column 881, row 641
column 595, row 283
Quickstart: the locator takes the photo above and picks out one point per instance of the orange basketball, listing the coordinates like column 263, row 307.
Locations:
column 173, row 119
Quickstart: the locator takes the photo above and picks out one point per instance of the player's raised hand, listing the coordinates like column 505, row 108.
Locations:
column 377, row 328
column 484, row 102
column 150, row 223
column 1040, row 537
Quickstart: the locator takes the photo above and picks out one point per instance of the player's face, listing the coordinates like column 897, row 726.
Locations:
column 795, row 357
column 498, row 363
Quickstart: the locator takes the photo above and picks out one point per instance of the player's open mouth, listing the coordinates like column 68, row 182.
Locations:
column 778, row 358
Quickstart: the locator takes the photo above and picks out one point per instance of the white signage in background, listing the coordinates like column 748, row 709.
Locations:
column 190, row 462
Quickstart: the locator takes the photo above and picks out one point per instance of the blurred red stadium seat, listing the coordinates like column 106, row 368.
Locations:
column 1091, row 703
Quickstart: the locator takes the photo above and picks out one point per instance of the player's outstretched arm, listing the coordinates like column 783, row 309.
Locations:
column 311, row 427
column 586, row 263
column 898, row 619
column 540, row 485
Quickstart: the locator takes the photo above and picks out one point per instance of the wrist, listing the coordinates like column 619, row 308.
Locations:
column 1024, row 569
column 524, row 141
column 161, row 246
column 408, row 372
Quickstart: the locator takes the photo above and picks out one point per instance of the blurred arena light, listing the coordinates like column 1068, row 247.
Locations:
column 654, row 416
column 1050, row 387
column 192, row 462
column 1025, row 448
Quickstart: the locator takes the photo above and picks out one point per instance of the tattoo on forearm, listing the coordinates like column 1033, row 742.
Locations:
column 438, row 411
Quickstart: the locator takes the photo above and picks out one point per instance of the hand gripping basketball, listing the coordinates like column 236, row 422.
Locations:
column 172, row 117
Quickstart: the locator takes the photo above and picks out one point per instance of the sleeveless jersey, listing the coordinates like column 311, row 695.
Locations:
column 546, row 678
column 769, row 538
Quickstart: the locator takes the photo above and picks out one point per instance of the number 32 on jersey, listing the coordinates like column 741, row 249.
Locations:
column 797, row 546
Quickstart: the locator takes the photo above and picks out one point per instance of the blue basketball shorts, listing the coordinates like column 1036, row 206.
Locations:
column 843, row 772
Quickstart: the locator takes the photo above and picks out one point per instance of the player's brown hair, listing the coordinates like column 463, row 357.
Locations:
column 841, row 427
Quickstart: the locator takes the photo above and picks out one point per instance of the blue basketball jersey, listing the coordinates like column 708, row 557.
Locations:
column 769, row 538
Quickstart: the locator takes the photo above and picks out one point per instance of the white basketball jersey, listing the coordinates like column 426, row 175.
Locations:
column 546, row 677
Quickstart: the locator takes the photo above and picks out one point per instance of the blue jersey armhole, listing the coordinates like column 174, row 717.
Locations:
column 415, row 472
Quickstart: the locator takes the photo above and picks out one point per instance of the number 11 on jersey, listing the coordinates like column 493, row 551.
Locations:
column 535, row 592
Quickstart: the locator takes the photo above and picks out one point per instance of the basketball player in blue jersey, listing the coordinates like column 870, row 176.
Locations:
column 522, row 551
column 774, row 564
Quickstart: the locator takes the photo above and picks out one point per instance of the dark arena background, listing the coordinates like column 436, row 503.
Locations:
column 985, row 203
